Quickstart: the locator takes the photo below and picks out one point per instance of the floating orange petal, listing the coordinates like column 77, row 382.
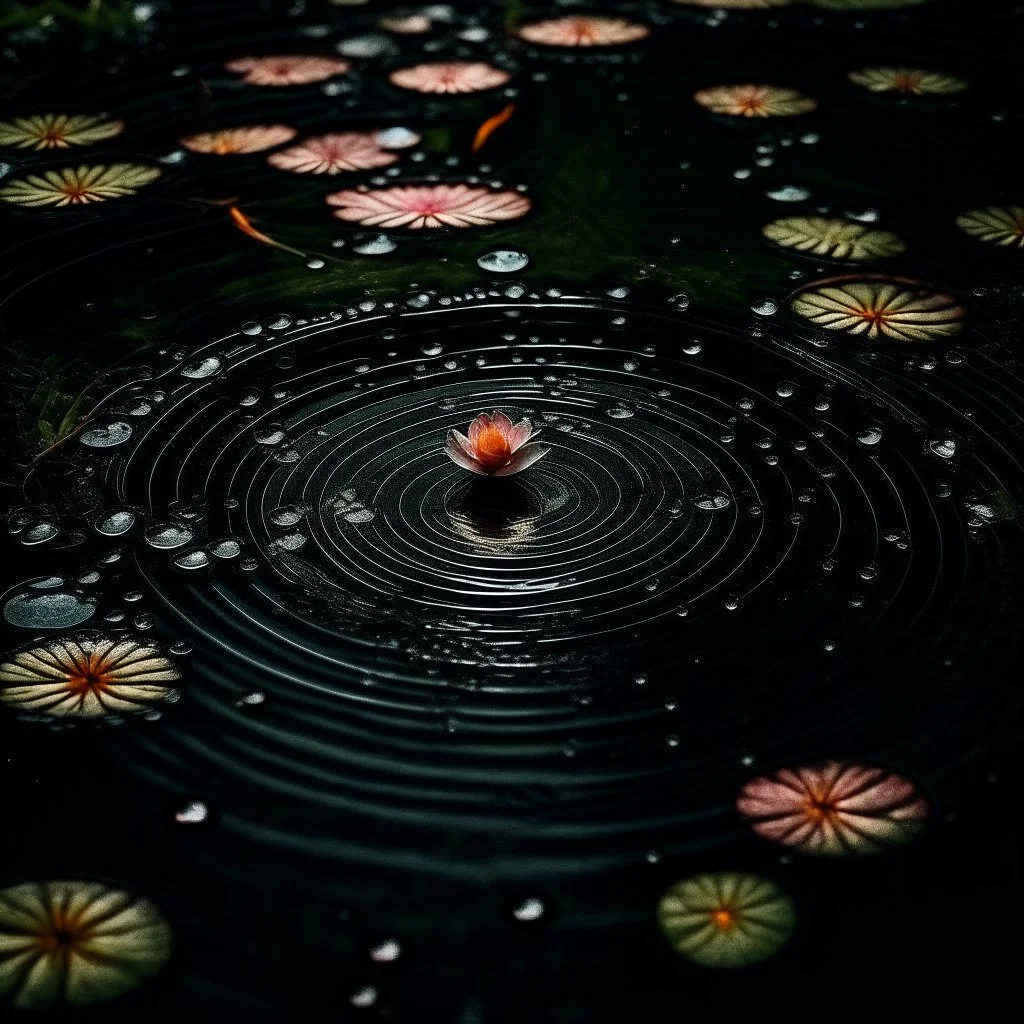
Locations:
column 491, row 125
column 245, row 226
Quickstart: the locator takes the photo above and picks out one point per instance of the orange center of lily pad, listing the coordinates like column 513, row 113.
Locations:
column 723, row 919
column 492, row 448
column 93, row 677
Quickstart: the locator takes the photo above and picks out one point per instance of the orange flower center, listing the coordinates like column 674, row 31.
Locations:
column 492, row 448
column 52, row 134
column 723, row 919
column 60, row 934
column 222, row 147
column 94, row 677
column 75, row 191
column 907, row 82
column 753, row 103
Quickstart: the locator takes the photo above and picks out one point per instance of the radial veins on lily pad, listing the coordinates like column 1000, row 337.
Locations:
column 726, row 919
column 833, row 237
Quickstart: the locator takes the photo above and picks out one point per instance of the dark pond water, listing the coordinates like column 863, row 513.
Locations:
column 301, row 717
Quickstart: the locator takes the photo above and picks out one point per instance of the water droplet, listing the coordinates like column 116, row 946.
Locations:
column 789, row 194
column 108, row 435
column 252, row 699
column 945, row 448
column 713, row 501
column 620, row 412
column 268, row 435
column 192, row 560
column 531, row 909
column 113, row 524
column 765, row 307
column 396, row 138
column 286, row 515
column 251, row 328
column 48, row 610
column 280, row 322
column 503, row 261
column 315, row 263
column 379, row 245
column 167, row 535
column 193, row 813
column 363, row 997
column 226, row 548
column 202, row 368
column 386, row 951
column 870, row 435
column 785, row 389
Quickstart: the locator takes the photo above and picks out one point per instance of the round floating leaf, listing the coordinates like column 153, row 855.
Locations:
column 429, row 206
column 882, row 309
column 834, row 808
column 726, row 920
column 754, row 101
column 75, row 186
column 248, row 139
column 910, row 81
column 57, row 131
column 87, row 677
column 833, row 237
column 998, row 225
column 583, row 30
column 75, row 943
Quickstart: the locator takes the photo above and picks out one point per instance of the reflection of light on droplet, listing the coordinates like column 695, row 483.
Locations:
column 168, row 536
column 193, row 813
column 503, row 261
column 379, row 245
column 385, row 952
column 207, row 367
column 107, row 436
column 713, row 501
column 113, row 524
column 765, row 307
column 192, row 560
column 945, row 449
column 531, row 909
column 59, row 610
column 363, row 997
column 870, row 435
column 789, row 194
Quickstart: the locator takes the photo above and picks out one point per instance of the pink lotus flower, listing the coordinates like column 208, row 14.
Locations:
column 833, row 808
column 291, row 70
column 332, row 154
column 428, row 206
column 449, row 76
column 495, row 446
column 584, row 31
column 252, row 139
